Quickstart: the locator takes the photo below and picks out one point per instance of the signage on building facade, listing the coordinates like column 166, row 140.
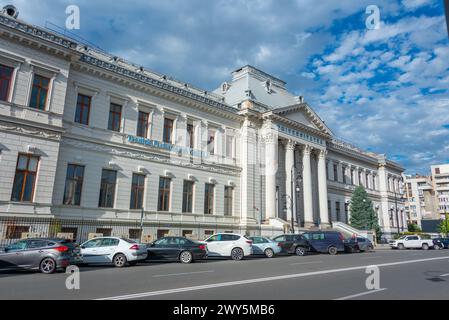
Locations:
column 301, row 135
column 167, row 147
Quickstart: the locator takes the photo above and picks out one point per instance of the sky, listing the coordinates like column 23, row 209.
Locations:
column 384, row 90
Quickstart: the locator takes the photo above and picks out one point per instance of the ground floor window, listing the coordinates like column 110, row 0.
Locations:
column 228, row 199
column 135, row 234
column 209, row 199
column 15, row 232
column 164, row 194
column 25, row 178
column 70, row 230
column 106, row 232
column 161, row 233
column 187, row 233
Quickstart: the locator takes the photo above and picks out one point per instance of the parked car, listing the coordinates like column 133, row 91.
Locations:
column 325, row 241
column 118, row 251
column 441, row 243
column 176, row 249
column 265, row 246
column 231, row 245
column 293, row 244
column 44, row 254
column 411, row 242
column 358, row 244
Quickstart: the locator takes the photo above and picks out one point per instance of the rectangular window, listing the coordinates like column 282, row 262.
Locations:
column 168, row 130
column 337, row 210
column 209, row 199
column 106, row 232
column 5, row 81
column 83, row 109
column 229, row 146
column 15, row 232
column 164, row 194
column 329, row 210
column 73, row 185
column 352, row 177
column 343, row 172
column 161, row 233
column 107, row 189
column 335, row 172
column 367, row 180
column 135, row 234
column 346, row 212
column 228, row 195
column 187, row 197
column 211, row 142
column 137, row 191
column 142, row 124
column 115, row 117
column 190, row 136
column 39, row 92
column 25, row 178
column 437, row 170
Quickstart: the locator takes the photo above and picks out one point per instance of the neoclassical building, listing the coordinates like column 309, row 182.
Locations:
column 87, row 135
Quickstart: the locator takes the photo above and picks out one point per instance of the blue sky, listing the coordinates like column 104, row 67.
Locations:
column 385, row 90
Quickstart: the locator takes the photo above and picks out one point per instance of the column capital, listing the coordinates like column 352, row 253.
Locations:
column 307, row 150
column 323, row 153
column 290, row 144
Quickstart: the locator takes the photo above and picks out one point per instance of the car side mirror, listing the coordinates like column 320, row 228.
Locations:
column 83, row 247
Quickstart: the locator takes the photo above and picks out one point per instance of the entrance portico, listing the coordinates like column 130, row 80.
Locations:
column 299, row 175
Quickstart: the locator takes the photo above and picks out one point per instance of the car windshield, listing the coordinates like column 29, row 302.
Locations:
column 402, row 238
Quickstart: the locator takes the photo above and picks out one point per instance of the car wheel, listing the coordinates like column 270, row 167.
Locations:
column 47, row 266
column 186, row 257
column 237, row 254
column 300, row 251
column 120, row 260
column 332, row 251
column 401, row 246
column 269, row 253
column 425, row 246
column 369, row 249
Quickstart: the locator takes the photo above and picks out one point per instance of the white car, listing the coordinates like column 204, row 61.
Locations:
column 118, row 251
column 411, row 242
column 235, row 246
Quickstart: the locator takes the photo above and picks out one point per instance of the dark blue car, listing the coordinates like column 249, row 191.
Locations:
column 325, row 241
column 441, row 243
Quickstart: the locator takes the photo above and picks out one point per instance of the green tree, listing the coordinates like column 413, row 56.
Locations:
column 413, row 227
column 444, row 226
column 363, row 215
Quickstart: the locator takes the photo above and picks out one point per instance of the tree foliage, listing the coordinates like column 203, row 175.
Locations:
column 363, row 216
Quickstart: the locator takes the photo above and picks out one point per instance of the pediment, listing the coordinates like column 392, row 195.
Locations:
column 303, row 114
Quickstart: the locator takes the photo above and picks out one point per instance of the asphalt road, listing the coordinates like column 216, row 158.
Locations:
column 403, row 275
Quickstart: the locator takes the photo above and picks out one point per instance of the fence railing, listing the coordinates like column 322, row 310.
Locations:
column 15, row 228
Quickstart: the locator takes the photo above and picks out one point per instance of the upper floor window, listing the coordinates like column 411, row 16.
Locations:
column 137, row 191
column 228, row 200
column 142, row 124
column 187, row 197
column 5, row 81
column 209, row 199
column 73, row 185
column 115, row 117
column 335, row 172
column 164, row 194
column 343, row 173
column 107, row 188
column 211, row 142
column 190, row 135
column 168, row 130
column 229, row 146
column 352, row 176
column 83, row 109
column 25, row 178
column 39, row 92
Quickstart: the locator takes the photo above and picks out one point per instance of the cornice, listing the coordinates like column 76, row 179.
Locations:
column 18, row 128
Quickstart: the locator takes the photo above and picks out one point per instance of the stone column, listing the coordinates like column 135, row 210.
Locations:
column 289, row 181
column 322, row 189
column 271, row 167
column 307, row 187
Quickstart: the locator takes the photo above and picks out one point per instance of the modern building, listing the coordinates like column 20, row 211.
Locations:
column 88, row 135
column 427, row 197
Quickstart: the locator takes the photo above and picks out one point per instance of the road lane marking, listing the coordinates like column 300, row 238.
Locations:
column 259, row 280
column 181, row 274
column 309, row 262
column 361, row 294
column 445, row 275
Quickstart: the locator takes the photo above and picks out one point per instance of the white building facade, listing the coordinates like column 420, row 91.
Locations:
column 86, row 135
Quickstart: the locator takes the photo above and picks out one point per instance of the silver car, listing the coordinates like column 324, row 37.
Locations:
column 43, row 254
column 265, row 246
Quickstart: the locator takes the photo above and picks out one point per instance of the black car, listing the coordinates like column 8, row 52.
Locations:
column 325, row 241
column 293, row 244
column 44, row 254
column 176, row 249
column 358, row 244
column 441, row 243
